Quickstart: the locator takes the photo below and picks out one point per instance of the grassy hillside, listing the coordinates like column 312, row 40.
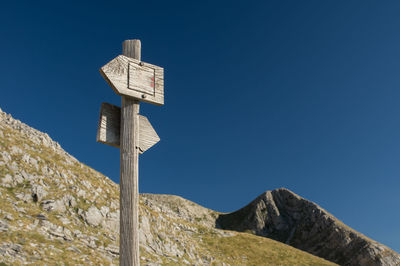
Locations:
column 57, row 211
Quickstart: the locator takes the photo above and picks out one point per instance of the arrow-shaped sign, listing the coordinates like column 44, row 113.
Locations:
column 131, row 77
column 108, row 130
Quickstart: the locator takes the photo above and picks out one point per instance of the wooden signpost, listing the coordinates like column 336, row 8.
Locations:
column 130, row 77
column 123, row 127
column 108, row 131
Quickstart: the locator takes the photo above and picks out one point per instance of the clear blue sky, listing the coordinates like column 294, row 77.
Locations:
column 258, row 95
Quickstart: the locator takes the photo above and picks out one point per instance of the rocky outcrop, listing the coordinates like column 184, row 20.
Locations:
column 286, row 217
column 57, row 211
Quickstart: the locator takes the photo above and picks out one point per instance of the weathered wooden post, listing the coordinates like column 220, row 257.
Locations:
column 123, row 127
column 129, row 170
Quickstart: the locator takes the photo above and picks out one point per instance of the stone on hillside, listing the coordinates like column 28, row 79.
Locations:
column 65, row 220
column 9, row 217
column 53, row 205
column 104, row 210
column 20, row 209
column 113, row 249
column 93, row 216
column 7, row 179
column 81, row 193
column 38, row 192
column 23, row 196
column 73, row 248
column 18, row 179
column 69, row 200
column 10, row 249
column 15, row 150
column 14, row 166
column 3, row 226
column 57, row 231
column 26, row 176
column 114, row 205
column 6, row 156
column 92, row 244
column 86, row 184
column 47, row 170
column 34, row 163
column 111, row 223
column 77, row 233
column 25, row 158
column 67, row 234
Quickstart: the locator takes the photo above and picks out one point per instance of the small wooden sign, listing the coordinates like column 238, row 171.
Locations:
column 108, row 130
column 131, row 77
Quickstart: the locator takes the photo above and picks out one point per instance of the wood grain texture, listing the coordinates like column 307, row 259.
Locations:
column 132, row 49
column 131, row 77
column 108, row 130
column 147, row 135
column 129, row 172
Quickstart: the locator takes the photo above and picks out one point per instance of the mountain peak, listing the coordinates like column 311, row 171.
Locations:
column 284, row 216
column 57, row 210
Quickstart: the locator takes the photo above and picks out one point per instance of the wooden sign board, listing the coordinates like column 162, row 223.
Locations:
column 131, row 77
column 108, row 130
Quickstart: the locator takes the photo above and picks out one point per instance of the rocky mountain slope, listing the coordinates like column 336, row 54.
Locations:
column 286, row 217
column 54, row 210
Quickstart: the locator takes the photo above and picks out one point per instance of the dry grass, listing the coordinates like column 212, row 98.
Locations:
column 247, row 249
column 239, row 249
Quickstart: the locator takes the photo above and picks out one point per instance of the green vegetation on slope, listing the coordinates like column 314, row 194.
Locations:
column 247, row 249
column 40, row 237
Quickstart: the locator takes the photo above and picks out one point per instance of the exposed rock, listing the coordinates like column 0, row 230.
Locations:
column 73, row 248
column 81, row 193
column 10, row 248
column 28, row 159
column 93, row 216
column 38, row 192
column 69, row 200
column 104, row 210
column 20, row 210
column 18, row 179
column 65, row 212
column 3, row 226
column 53, row 205
column 7, row 179
column 111, row 223
column 13, row 166
column 284, row 216
column 6, row 156
column 65, row 220
column 114, row 250
column 67, row 234
column 15, row 150
column 9, row 217
column 27, row 177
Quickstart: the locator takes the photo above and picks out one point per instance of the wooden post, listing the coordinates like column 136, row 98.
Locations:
column 135, row 81
column 129, row 170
